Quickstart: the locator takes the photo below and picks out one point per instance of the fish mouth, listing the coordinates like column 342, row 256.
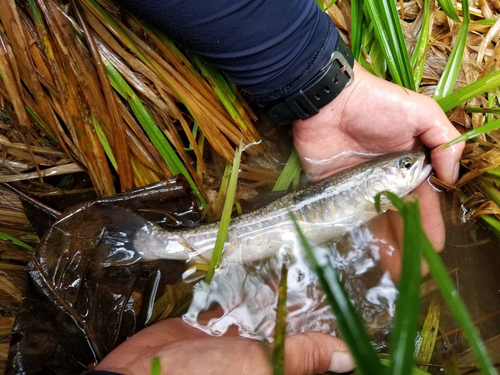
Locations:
column 423, row 171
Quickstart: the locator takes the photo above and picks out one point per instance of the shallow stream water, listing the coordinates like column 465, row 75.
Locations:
column 246, row 295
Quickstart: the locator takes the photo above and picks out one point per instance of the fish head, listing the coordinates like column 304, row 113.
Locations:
column 398, row 173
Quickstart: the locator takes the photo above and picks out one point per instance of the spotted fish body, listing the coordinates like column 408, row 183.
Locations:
column 325, row 211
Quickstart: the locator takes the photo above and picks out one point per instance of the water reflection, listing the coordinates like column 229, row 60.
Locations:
column 245, row 295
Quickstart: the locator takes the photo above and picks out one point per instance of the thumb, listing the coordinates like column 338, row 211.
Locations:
column 434, row 130
column 315, row 353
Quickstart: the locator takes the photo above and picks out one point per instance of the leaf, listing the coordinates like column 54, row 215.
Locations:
column 356, row 27
column 6, row 237
column 278, row 357
column 485, row 84
column 449, row 9
column 452, row 69
column 420, row 52
column 157, row 137
column 291, row 170
column 348, row 320
column 429, row 335
column 155, row 366
column 384, row 16
column 407, row 307
column 473, row 133
column 226, row 217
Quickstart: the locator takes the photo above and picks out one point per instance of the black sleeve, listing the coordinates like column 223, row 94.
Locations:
column 269, row 48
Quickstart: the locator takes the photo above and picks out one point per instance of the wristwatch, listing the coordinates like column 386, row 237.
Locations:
column 319, row 91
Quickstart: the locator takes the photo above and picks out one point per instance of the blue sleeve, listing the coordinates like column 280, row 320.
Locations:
column 269, row 48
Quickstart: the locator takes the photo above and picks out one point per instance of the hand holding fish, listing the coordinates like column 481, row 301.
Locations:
column 183, row 349
column 370, row 117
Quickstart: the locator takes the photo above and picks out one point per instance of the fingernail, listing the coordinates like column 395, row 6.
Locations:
column 341, row 362
column 456, row 172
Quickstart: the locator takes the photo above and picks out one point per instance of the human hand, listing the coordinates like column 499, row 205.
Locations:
column 183, row 349
column 372, row 116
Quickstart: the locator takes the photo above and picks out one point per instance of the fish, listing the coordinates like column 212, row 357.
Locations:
column 325, row 211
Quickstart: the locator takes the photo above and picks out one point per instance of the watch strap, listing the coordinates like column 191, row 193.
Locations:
column 321, row 90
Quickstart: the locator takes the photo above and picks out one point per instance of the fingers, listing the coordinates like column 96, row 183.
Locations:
column 430, row 212
column 388, row 229
column 315, row 353
column 434, row 130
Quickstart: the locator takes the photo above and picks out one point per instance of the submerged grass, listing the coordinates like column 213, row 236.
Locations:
column 429, row 335
column 289, row 174
column 278, row 357
column 226, row 216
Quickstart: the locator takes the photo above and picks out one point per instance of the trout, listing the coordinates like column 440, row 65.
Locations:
column 325, row 211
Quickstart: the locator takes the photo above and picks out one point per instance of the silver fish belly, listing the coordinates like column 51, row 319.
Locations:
column 325, row 211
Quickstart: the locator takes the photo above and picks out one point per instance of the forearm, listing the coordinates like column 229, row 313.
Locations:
column 269, row 48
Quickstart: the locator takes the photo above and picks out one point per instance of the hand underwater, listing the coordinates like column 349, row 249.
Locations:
column 184, row 350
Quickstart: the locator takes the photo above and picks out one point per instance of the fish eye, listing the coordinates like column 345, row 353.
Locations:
column 405, row 162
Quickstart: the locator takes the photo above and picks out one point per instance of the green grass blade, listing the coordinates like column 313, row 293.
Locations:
column 348, row 320
column 223, row 90
column 7, row 237
column 367, row 66
column 226, row 217
column 493, row 223
column 378, row 58
column 407, row 306
column 491, row 104
column 329, row 5
column 449, row 77
column 321, row 4
column 368, row 34
column 278, row 357
column 104, row 142
column 488, row 110
column 291, row 170
column 452, row 298
column 155, row 366
column 419, row 54
column 485, row 84
column 449, row 9
column 384, row 16
column 356, row 27
column 484, row 22
column 39, row 122
column 429, row 334
column 151, row 128
column 473, row 133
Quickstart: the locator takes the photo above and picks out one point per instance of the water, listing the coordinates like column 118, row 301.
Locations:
column 246, row 295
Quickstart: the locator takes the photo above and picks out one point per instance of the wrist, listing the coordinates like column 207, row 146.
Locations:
column 324, row 87
column 333, row 110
